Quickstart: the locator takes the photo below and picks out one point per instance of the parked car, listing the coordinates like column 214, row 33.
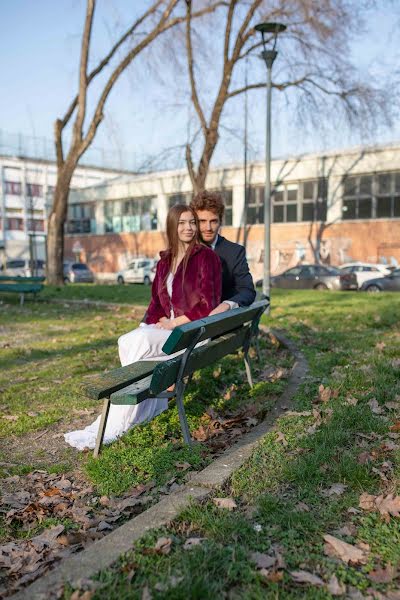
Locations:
column 75, row 272
column 140, row 270
column 365, row 271
column 317, row 277
column 21, row 267
column 389, row 283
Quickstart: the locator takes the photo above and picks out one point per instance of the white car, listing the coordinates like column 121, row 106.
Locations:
column 140, row 270
column 365, row 271
column 21, row 267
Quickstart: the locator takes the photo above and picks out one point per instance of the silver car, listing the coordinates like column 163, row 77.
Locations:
column 389, row 283
column 75, row 272
column 140, row 270
column 314, row 277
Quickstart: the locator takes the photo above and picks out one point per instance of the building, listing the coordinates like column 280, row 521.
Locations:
column 335, row 207
column 26, row 193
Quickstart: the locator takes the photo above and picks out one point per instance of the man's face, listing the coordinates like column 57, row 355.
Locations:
column 209, row 224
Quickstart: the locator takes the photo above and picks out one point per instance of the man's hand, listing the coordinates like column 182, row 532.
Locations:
column 223, row 307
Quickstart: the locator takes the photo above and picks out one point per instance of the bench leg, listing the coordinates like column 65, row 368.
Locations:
column 180, row 388
column 102, row 427
column 248, row 369
column 21, row 299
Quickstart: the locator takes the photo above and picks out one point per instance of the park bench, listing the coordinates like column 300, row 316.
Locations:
column 21, row 285
column 224, row 333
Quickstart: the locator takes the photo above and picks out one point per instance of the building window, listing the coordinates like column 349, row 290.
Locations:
column 181, row 198
column 357, row 198
column 130, row 215
column 255, row 207
column 314, row 200
column 81, row 218
column 34, row 190
column 228, row 203
column 14, row 224
column 13, row 187
column 35, row 225
column 388, row 195
column 372, row 196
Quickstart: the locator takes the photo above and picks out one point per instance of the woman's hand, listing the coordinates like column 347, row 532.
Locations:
column 165, row 323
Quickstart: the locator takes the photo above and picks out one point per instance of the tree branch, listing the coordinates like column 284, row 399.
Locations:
column 83, row 72
column 193, row 87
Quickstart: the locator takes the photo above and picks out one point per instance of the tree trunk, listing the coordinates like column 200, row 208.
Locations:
column 55, row 234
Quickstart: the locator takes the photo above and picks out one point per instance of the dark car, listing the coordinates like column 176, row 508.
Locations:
column 77, row 273
column 389, row 283
column 316, row 277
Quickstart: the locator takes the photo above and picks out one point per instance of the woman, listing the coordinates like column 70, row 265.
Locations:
column 187, row 286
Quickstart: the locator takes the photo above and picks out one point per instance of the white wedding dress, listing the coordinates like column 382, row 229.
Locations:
column 143, row 343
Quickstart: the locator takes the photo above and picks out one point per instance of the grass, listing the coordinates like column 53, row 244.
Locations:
column 46, row 350
column 352, row 342
column 121, row 294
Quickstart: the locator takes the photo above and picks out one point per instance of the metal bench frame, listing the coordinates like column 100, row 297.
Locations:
column 140, row 381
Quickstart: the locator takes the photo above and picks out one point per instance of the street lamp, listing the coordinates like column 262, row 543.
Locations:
column 273, row 29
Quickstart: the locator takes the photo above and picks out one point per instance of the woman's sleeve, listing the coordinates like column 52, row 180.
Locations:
column 155, row 311
column 210, row 286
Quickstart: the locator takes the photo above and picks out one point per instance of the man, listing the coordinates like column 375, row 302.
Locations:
column 237, row 283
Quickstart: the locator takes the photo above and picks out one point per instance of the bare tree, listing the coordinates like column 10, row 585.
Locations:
column 156, row 20
column 314, row 62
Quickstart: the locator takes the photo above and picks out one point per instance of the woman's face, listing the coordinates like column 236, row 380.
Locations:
column 186, row 227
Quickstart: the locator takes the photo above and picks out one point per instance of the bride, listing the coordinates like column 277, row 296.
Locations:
column 187, row 286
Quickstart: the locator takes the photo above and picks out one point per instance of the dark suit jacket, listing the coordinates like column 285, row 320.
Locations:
column 237, row 283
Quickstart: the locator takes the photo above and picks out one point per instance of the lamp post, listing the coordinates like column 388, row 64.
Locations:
column 268, row 56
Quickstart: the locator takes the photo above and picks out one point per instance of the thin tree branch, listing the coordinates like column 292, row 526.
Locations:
column 228, row 28
column 193, row 87
column 83, row 71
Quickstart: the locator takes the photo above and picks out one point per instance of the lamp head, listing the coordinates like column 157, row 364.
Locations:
column 273, row 28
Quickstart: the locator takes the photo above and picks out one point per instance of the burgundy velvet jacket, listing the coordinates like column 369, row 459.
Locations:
column 196, row 296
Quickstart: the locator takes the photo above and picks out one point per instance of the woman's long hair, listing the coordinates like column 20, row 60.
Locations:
column 174, row 214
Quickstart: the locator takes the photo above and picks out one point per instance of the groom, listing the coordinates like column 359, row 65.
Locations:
column 237, row 283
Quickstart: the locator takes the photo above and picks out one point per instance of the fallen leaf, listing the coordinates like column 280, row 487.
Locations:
column 364, row 458
column 48, row 537
column 10, row 417
column 302, row 507
column 163, row 545
column 336, row 489
column 281, row 438
column 346, row 552
column 380, row 345
column 385, row 575
column 227, row 503
column 78, row 595
column 375, row 407
column 387, row 505
column 183, row 466
column 262, row 561
column 326, row 393
column 351, row 401
column 306, row 577
column 191, row 542
column 334, row 586
column 393, row 405
column 395, row 427
column 271, row 575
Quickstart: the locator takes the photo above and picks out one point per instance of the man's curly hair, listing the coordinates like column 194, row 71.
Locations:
column 211, row 201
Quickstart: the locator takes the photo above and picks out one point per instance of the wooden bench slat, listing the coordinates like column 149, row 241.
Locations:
column 21, row 288
column 102, row 386
column 133, row 393
column 181, row 337
column 166, row 372
column 22, row 279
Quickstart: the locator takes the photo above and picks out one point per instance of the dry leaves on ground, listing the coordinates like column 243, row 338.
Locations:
column 336, row 489
column 388, row 506
column 346, row 552
column 383, row 575
column 33, row 498
column 219, row 431
column 306, row 577
column 228, row 503
column 325, row 394
column 163, row 545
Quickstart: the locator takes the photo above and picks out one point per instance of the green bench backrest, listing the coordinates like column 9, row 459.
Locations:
column 216, row 325
column 21, row 288
column 166, row 372
column 21, row 279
